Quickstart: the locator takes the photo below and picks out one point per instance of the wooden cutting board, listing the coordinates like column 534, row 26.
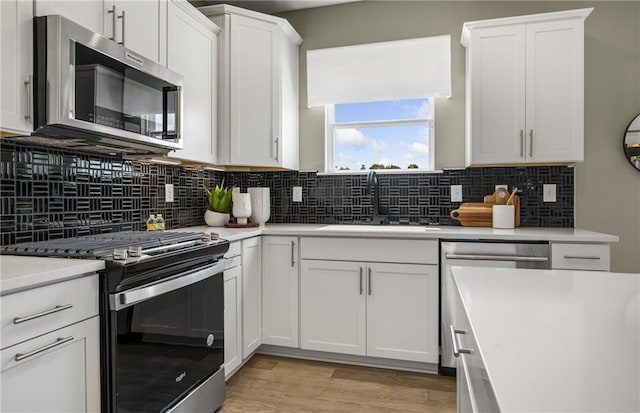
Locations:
column 480, row 214
column 474, row 214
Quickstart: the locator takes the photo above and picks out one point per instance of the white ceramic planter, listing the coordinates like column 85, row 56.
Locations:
column 216, row 219
column 241, row 207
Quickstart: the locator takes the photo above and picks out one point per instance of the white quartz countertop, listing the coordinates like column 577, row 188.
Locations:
column 556, row 341
column 20, row 272
column 418, row 232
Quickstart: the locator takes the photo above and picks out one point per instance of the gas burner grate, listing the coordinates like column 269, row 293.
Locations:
column 102, row 245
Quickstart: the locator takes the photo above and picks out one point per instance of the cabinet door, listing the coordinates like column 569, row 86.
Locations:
column 289, row 153
column 16, row 51
column 496, row 64
column 280, row 291
column 254, row 84
column 89, row 14
column 63, row 378
column 251, row 296
column 192, row 53
column 402, row 311
column 555, row 91
column 333, row 306
column 141, row 28
column 232, row 320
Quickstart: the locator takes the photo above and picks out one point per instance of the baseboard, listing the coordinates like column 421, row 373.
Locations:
column 348, row 359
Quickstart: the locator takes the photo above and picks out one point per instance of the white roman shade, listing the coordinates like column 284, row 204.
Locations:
column 401, row 69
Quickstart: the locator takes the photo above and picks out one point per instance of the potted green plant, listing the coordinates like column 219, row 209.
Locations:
column 218, row 205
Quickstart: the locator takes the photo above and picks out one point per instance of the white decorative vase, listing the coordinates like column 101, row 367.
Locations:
column 215, row 219
column 241, row 207
column 260, row 205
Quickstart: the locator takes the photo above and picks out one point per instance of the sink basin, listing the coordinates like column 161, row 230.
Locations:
column 372, row 228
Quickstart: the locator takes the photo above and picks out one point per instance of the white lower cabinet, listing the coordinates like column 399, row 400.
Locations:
column 251, row 295
column 280, row 291
column 591, row 257
column 50, row 357
column 232, row 319
column 333, row 307
column 387, row 310
column 63, row 378
column 401, row 322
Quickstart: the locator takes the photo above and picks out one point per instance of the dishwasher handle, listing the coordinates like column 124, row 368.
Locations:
column 491, row 257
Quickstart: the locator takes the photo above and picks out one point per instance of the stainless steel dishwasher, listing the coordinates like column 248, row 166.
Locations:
column 478, row 254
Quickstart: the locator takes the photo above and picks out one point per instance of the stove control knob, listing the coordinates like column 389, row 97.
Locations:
column 119, row 254
column 135, row 251
column 205, row 239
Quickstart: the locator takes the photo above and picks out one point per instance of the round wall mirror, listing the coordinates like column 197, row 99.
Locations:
column 631, row 142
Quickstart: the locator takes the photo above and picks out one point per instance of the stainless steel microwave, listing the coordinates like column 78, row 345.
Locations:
column 92, row 93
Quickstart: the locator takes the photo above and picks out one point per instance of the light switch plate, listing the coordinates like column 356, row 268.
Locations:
column 168, row 192
column 296, row 194
column 456, row 193
column 549, row 193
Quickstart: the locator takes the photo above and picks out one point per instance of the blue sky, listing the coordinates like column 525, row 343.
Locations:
column 398, row 145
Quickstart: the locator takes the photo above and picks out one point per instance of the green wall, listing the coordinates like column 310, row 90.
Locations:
column 607, row 187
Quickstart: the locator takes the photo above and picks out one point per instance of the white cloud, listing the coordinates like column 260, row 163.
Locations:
column 351, row 137
column 420, row 149
column 378, row 145
column 421, row 111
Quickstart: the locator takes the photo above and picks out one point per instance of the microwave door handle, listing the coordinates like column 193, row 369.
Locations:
column 177, row 112
column 165, row 112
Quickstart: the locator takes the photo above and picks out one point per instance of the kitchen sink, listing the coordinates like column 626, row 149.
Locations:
column 373, row 228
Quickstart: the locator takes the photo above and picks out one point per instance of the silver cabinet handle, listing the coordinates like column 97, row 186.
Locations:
column 112, row 12
column 27, row 84
column 123, row 25
column 361, row 289
column 481, row 257
column 521, row 143
column 369, row 280
column 56, row 309
column 531, row 143
column 123, row 300
column 457, row 350
column 293, row 245
column 578, row 257
column 60, row 341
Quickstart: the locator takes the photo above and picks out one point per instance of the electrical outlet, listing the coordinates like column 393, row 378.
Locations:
column 168, row 192
column 502, row 186
column 456, row 193
column 296, row 194
column 549, row 193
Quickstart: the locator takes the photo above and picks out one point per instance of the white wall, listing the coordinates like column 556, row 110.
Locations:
column 607, row 187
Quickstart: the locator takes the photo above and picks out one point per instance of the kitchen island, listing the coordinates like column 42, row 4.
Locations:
column 548, row 340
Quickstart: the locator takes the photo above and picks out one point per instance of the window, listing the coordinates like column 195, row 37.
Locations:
column 394, row 134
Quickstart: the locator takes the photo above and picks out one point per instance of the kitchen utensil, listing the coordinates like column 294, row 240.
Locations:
column 503, row 216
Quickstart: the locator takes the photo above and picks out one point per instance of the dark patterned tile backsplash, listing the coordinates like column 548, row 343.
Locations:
column 48, row 193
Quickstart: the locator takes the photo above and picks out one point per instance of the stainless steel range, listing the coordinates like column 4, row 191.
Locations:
column 161, row 317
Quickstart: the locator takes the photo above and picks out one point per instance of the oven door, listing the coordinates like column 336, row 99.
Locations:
column 167, row 338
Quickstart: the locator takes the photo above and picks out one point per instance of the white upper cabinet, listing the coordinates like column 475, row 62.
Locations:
column 192, row 52
column 525, row 88
column 139, row 25
column 16, row 51
column 258, row 95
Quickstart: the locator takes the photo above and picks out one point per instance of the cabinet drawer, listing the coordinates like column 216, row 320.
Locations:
column 30, row 313
column 232, row 262
column 234, row 249
column 371, row 250
column 580, row 257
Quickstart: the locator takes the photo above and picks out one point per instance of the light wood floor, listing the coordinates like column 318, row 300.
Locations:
column 277, row 384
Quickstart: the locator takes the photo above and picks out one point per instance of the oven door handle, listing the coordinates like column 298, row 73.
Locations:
column 128, row 298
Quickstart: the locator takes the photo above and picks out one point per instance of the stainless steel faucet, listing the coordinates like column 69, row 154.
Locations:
column 373, row 188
